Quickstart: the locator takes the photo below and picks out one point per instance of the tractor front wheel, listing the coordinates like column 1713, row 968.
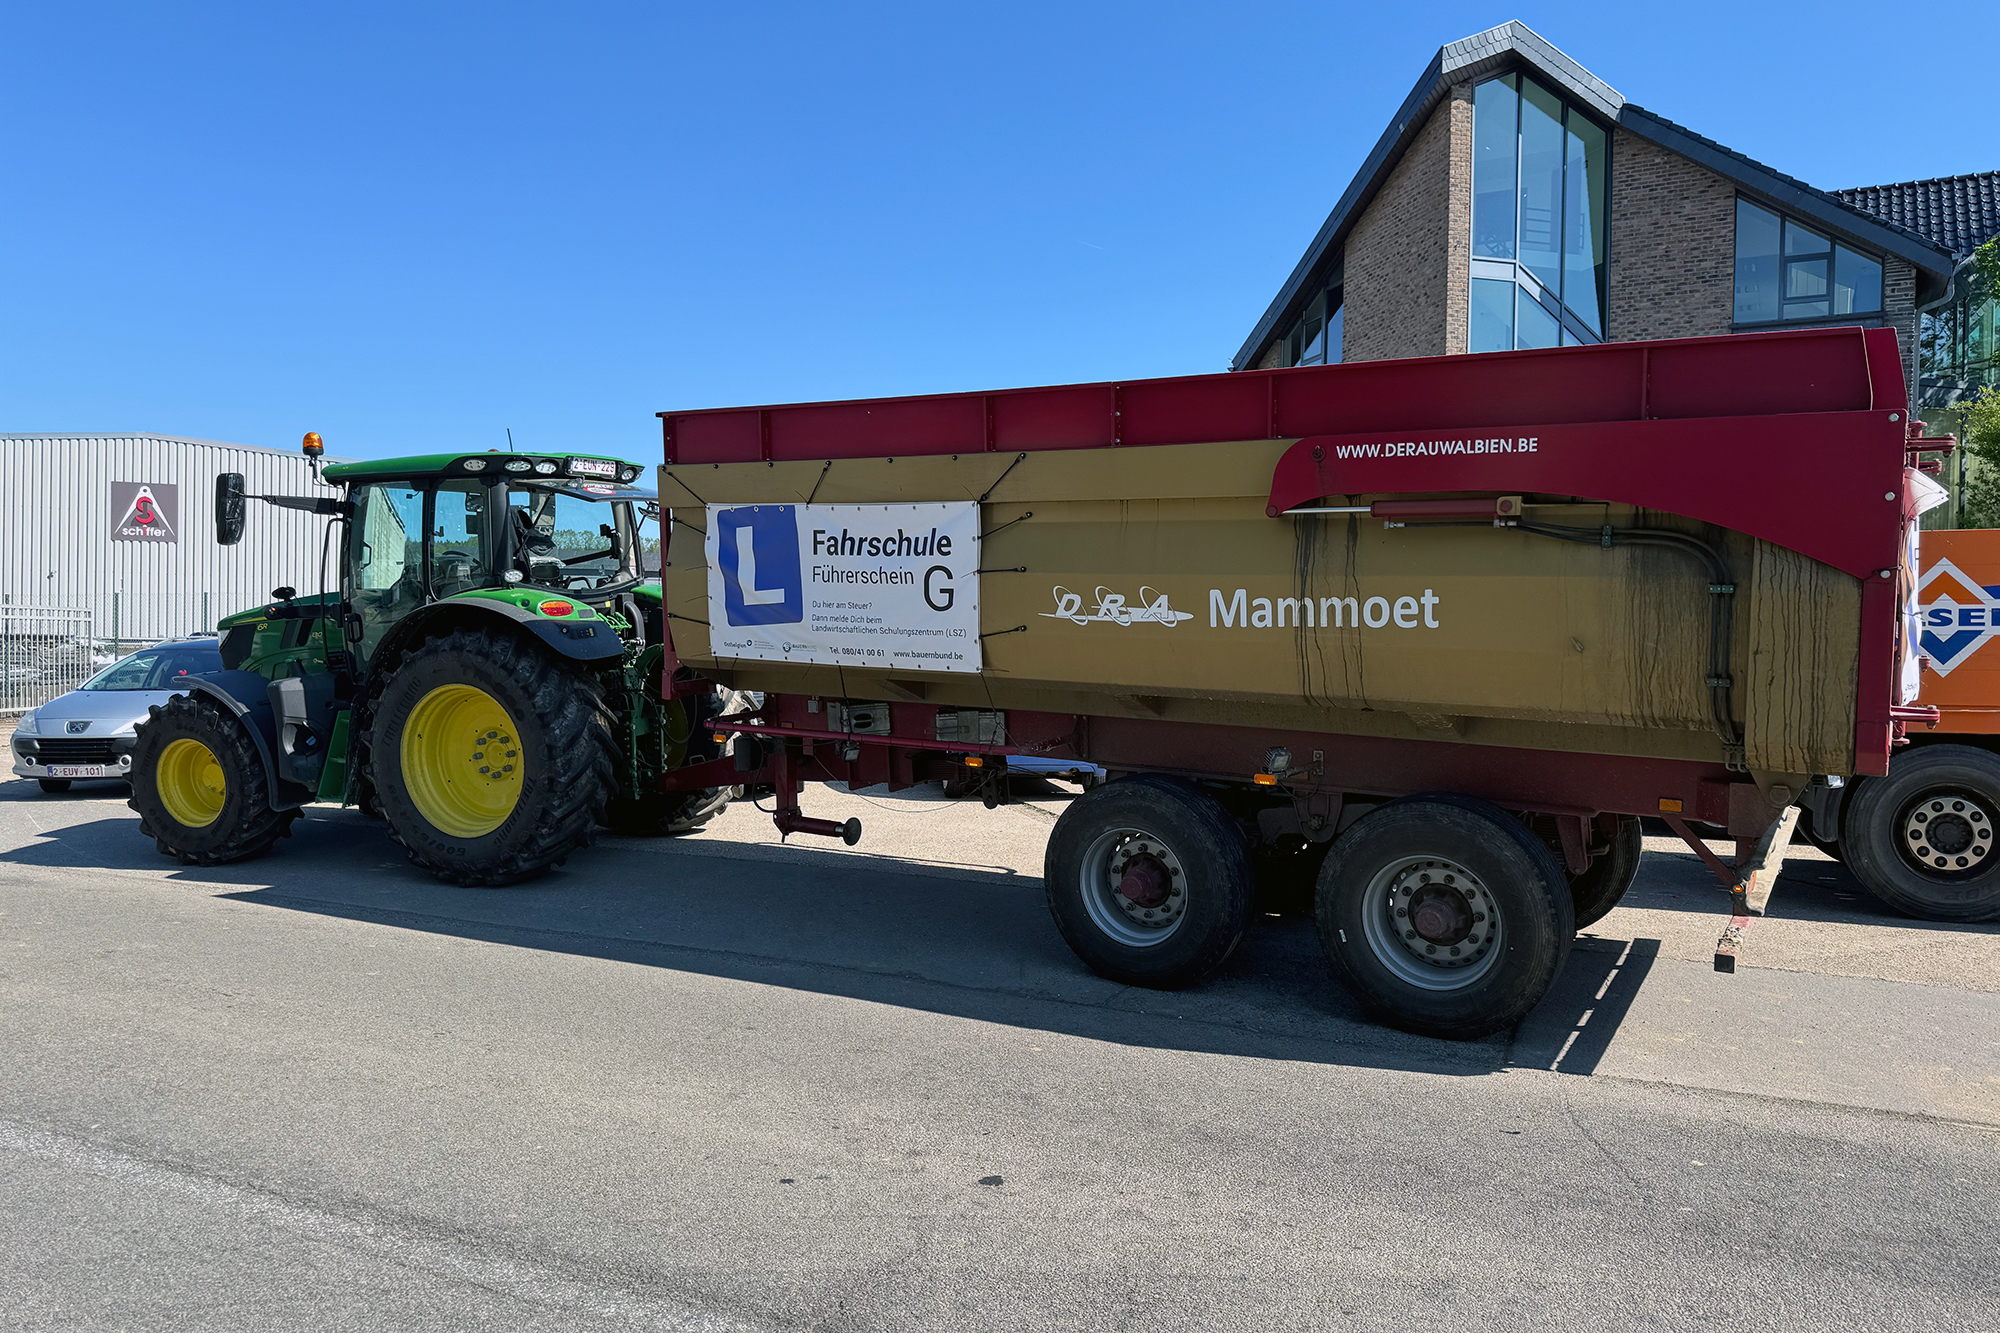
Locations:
column 491, row 759
column 199, row 785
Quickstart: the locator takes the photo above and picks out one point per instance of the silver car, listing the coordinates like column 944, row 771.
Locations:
column 88, row 733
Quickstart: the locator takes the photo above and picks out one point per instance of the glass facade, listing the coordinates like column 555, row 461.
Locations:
column 1958, row 348
column 1314, row 339
column 1787, row 271
column 1540, row 184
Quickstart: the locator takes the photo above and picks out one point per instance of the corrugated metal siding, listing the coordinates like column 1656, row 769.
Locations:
column 56, row 520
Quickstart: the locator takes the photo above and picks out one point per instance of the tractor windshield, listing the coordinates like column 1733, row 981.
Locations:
column 583, row 536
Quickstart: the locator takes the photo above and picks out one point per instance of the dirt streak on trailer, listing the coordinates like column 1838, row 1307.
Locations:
column 1493, row 610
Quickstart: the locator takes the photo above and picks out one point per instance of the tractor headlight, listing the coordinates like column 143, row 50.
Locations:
column 474, row 465
column 518, row 465
column 545, row 468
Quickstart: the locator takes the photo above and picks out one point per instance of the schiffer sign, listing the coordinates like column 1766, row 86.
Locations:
column 143, row 511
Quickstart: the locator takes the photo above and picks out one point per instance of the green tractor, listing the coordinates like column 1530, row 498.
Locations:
column 487, row 678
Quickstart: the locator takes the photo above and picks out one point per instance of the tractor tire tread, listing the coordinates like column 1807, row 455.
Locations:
column 197, row 717
column 569, row 705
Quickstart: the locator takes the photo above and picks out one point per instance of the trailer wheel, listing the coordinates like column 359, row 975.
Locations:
column 1444, row 916
column 491, row 759
column 1808, row 830
column 1149, row 881
column 1597, row 890
column 199, row 786
column 664, row 814
column 1923, row 839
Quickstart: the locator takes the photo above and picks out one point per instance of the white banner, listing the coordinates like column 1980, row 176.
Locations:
column 893, row 587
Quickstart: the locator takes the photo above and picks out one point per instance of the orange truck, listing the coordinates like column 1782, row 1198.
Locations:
column 1925, row 838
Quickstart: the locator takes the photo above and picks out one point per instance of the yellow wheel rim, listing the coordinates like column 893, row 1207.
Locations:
column 191, row 783
column 462, row 761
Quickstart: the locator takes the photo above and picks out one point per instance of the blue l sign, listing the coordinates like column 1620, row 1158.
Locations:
column 757, row 551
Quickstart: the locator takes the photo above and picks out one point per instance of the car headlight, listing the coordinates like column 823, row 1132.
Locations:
column 26, row 726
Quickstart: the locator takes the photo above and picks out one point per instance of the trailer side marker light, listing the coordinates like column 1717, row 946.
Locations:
column 974, row 761
column 1265, row 779
column 721, row 738
column 1669, row 806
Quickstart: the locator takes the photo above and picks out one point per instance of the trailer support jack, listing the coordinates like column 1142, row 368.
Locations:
column 788, row 817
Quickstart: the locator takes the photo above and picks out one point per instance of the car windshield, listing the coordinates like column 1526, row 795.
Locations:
column 158, row 668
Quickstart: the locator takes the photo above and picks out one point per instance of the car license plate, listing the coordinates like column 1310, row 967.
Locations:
column 76, row 770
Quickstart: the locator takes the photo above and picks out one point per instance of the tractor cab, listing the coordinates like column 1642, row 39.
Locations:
column 509, row 527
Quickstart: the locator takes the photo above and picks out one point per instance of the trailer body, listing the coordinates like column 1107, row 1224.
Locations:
column 1579, row 585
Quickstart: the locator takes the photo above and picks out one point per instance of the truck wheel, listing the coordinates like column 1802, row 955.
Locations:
column 491, row 759
column 664, row 814
column 1149, row 882
column 1444, row 916
column 199, row 785
column 1922, row 839
column 1597, row 890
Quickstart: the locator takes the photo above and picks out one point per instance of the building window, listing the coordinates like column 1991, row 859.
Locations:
column 1958, row 350
column 1787, row 271
column 1315, row 339
column 1540, row 185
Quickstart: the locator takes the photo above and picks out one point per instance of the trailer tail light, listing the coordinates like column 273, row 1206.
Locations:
column 556, row 608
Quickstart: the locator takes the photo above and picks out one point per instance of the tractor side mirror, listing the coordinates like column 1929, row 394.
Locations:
column 229, row 508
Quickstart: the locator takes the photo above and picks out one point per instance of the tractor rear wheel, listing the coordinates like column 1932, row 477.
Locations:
column 199, row 785
column 491, row 759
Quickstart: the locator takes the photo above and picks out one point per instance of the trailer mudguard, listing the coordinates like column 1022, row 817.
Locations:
column 245, row 694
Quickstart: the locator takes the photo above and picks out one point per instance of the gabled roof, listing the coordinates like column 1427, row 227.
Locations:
column 1514, row 45
column 1795, row 196
column 1960, row 213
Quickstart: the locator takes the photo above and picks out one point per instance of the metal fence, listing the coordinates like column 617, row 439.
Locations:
column 44, row 652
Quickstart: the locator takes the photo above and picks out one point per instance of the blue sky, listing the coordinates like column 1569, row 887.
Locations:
column 411, row 227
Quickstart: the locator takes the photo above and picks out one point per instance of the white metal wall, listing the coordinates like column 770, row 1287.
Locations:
column 56, row 521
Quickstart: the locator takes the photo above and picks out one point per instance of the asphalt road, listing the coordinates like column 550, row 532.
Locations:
column 718, row 1083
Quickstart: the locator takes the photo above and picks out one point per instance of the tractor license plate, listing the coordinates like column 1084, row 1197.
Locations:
column 76, row 770
column 593, row 467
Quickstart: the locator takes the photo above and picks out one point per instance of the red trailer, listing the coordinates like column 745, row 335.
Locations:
column 1516, row 602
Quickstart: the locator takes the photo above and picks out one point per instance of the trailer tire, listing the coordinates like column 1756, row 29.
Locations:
column 1597, row 890
column 664, row 814
column 1885, row 830
column 1808, row 830
column 199, row 785
column 549, row 761
column 1458, row 874
column 1149, row 881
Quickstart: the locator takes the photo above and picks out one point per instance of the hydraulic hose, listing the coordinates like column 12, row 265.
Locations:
column 1722, row 593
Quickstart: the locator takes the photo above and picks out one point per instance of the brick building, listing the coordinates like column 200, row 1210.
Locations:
column 1517, row 200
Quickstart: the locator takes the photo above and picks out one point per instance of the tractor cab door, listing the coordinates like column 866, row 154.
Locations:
column 410, row 545
column 384, row 569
